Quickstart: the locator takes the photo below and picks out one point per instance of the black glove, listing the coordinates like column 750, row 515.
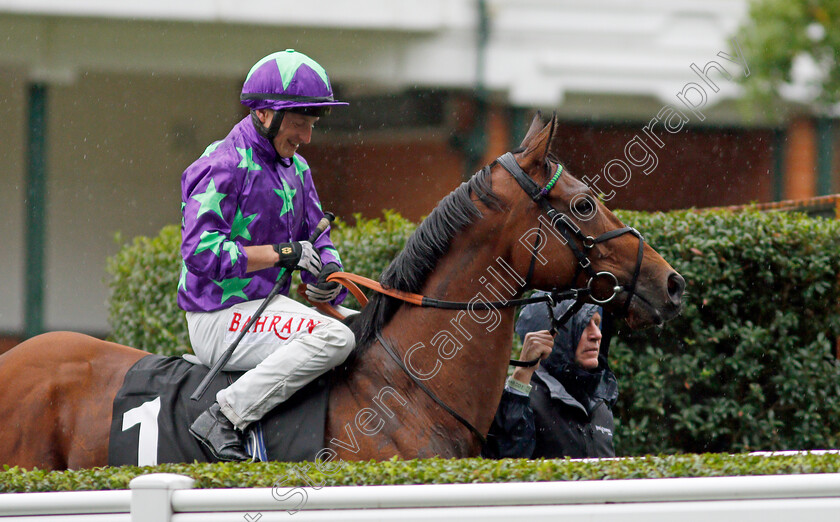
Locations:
column 299, row 254
column 324, row 291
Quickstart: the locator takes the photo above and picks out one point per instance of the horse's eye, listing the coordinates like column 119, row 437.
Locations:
column 584, row 206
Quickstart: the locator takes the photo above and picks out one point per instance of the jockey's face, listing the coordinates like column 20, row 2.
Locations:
column 586, row 354
column 295, row 130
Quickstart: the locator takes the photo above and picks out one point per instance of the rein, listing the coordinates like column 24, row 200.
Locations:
column 347, row 279
column 426, row 389
column 350, row 281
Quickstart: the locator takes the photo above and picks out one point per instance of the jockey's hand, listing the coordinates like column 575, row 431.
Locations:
column 298, row 255
column 324, row 291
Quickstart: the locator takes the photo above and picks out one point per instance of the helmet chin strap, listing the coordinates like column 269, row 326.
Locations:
column 273, row 128
column 271, row 132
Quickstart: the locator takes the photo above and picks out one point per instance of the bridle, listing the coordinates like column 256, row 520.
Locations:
column 578, row 242
column 572, row 235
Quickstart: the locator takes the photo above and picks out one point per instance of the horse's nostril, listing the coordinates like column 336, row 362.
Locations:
column 676, row 286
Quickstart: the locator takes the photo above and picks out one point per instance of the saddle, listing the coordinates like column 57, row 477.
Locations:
column 152, row 413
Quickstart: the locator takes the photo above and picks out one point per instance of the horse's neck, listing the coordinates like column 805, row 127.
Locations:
column 470, row 348
column 460, row 355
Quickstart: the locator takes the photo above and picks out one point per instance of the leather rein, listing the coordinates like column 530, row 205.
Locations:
column 572, row 235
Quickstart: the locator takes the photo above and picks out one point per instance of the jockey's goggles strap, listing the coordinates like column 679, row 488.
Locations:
column 428, row 392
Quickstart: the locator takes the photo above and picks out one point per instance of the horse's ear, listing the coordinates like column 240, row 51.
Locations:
column 553, row 149
column 537, row 146
column 536, row 126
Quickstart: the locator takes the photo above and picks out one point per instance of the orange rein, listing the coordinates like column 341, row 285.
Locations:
column 350, row 281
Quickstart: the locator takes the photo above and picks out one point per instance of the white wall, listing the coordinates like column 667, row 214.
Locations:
column 541, row 53
column 12, row 196
column 117, row 147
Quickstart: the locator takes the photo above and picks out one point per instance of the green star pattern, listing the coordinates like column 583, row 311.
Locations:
column 300, row 167
column 210, row 199
column 233, row 287
column 211, row 148
column 240, row 225
column 232, row 250
column 215, row 242
column 182, row 282
column 210, row 241
column 335, row 253
column 287, row 194
column 289, row 66
column 248, row 159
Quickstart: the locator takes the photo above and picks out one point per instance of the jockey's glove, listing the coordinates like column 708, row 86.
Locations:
column 298, row 255
column 324, row 291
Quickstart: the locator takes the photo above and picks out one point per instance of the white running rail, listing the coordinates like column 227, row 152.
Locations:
column 170, row 498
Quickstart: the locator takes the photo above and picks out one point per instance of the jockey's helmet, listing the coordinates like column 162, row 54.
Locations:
column 288, row 81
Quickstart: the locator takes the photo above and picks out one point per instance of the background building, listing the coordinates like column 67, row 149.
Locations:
column 103, row 104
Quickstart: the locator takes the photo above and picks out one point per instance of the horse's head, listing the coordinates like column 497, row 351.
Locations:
column 566, row 238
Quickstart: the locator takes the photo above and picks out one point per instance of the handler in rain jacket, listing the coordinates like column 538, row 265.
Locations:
column 563, row 408
column 248, row 204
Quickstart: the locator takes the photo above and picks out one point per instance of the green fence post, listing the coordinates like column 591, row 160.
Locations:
column 36, row 187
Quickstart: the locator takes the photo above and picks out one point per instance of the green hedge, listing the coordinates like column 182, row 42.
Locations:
column 748, row 365
column 427, row 471
column 142, row 307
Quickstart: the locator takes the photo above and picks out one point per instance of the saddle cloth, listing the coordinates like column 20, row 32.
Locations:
column 152, row 413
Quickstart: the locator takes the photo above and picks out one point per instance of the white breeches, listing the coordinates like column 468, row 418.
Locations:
column 289, row 346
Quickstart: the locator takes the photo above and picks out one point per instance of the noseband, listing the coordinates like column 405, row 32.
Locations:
column 572, row 235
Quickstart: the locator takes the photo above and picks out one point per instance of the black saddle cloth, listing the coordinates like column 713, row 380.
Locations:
column 152, row 414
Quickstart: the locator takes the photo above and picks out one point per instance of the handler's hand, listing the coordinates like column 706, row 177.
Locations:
column 537, row 344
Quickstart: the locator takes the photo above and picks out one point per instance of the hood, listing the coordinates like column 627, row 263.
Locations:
column 536, row 317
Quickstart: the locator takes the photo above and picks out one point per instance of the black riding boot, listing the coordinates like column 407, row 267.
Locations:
column 218, row 434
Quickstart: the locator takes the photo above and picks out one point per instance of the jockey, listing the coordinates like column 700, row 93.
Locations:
column 248, row 204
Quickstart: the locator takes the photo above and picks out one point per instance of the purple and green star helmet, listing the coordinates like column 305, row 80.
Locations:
column 287, row 80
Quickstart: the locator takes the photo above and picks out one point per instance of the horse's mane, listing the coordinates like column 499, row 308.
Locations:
column 409, row 270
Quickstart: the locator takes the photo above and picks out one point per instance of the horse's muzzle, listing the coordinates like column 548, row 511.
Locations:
column 676, row 287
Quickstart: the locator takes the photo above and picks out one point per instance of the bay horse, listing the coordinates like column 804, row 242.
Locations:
column 422, row 381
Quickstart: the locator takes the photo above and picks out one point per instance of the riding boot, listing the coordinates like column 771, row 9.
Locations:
column 218, row 434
